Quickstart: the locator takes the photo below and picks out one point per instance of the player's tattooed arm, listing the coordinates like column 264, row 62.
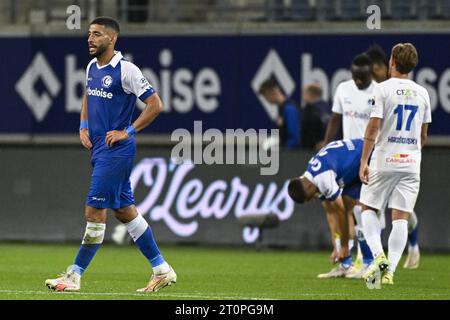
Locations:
column 152, row 110
column 373, row 127
column 332, row 128
column 84, row 133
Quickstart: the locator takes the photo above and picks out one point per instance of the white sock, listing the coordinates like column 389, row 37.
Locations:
column 162, row 268
column 382, row 218
column 136, row 227
column 397, row 242
column 351, row 244
column 372, row 229
column 357, row 210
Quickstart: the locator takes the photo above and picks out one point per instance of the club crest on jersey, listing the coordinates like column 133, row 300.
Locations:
column 107, row 81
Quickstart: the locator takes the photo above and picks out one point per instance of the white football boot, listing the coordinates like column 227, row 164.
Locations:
column 355, row 272
column 67, row 281
column 413, row 259
column 336, row 272
column 159, row 281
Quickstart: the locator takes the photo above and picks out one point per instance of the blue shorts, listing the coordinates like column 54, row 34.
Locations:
column 353, row 189
column 110, row 183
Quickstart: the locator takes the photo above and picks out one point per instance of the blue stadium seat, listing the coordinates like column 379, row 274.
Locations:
column 302, row 10
column 326, row 9
column 403, row 9
column 445, row 7
column 297, row 10
column 350, row 9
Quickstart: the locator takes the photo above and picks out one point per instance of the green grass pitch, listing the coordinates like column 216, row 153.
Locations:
column 208, row 273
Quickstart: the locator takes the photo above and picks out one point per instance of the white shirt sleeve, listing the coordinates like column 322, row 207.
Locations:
column 327, row 185
column 337, row 106
column 133, row 81
column 87, row 70
column 427, row 113
column 377, row 110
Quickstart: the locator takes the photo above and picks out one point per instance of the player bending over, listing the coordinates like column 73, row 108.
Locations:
column 332, row 176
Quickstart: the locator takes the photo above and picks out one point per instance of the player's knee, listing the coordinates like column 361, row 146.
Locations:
column 367, row 208
column 400, row 215
column 126, row 214
column 95, row 215
column 94, row 234
column 119, row 214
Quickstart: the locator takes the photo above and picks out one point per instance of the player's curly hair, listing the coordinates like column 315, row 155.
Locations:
column 405, row 56
column 296, row 190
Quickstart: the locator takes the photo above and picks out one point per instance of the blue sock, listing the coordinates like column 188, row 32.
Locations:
column 147, row 244
column 366, row 253
column 347, row 262
column 412, row 236
column 84, row 257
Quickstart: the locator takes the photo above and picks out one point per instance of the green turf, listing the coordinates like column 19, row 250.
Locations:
column 208, row 273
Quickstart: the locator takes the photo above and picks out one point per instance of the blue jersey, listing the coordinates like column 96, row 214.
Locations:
column 334, row 167
column 111, row 97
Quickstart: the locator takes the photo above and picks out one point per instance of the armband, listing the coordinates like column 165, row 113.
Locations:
column 131, row 131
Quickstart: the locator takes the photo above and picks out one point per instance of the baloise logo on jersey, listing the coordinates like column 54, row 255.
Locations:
column 106, row 83
column 99, row 93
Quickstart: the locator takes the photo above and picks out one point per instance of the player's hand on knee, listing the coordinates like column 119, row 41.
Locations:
column 84, row 137
column 364, row 173
column 115, row 136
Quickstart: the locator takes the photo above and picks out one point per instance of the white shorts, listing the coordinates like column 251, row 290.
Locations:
column 398, row 189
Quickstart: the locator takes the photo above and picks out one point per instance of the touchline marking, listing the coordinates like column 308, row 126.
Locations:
column 199, row 295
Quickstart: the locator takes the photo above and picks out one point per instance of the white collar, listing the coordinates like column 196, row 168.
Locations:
column 114, row 61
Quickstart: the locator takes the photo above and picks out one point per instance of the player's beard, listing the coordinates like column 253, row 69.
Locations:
column 100, row 50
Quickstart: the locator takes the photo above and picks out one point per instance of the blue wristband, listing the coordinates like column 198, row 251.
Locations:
column 84, row 124
column 130, row 130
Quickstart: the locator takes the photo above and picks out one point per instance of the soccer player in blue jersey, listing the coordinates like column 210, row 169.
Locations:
column 112, row 86
column 332, row 176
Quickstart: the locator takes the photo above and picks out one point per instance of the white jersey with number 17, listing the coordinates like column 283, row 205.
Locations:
column 403, row 106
